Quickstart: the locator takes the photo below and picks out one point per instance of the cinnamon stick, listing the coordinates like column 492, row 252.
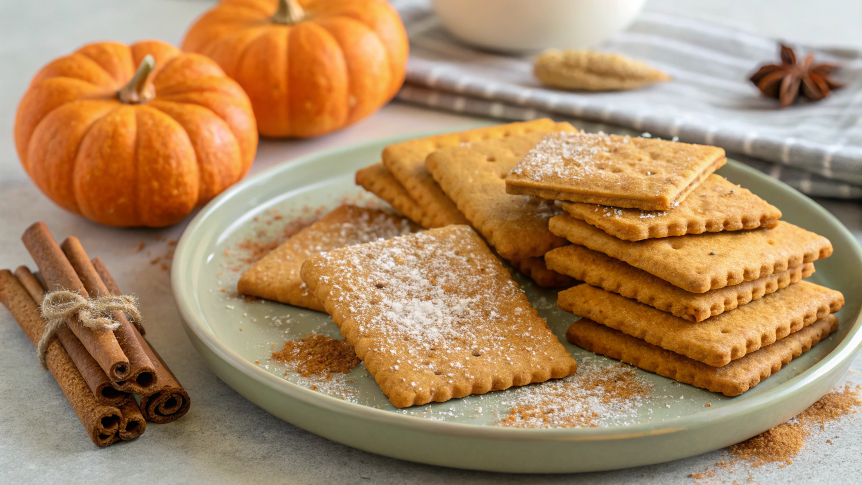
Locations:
column 169, row 401
column 101, row 422
column 132, row 422
column 90, row 370
column 141, row 369
column 113, row 289
column 59, row 274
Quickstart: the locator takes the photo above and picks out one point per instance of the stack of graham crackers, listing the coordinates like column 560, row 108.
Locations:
column 688, row 275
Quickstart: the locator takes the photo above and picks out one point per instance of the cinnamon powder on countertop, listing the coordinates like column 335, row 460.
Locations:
column 318, row 355
column 783, row 442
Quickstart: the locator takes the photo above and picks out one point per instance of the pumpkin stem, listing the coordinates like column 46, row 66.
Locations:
column 138, row 89
column 289, row 12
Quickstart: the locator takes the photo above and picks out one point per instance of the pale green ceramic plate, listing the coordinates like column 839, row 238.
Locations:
column 232, row 334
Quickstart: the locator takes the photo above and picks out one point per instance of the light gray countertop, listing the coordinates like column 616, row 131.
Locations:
column 225, row 438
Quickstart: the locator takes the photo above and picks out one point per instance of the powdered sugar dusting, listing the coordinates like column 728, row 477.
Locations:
column 596, row 395
column 568, row 156
column 334, row 384
column 361, row 226
column 611, row 165
column 436, row 310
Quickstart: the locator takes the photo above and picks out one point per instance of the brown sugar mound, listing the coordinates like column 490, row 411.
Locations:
column 781, row 443
column 318, row 355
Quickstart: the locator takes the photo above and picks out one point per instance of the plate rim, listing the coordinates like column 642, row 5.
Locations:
column 195, row 323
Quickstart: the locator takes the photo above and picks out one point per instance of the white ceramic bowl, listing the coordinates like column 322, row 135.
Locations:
column 532, row 25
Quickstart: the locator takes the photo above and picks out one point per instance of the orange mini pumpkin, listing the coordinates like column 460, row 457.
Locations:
column 309, row 67
column 134, row 148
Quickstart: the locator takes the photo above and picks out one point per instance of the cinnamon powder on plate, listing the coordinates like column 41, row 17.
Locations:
column 587, row 398
column 318, row 355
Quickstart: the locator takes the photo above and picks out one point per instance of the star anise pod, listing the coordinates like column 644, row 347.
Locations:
column 786, row 81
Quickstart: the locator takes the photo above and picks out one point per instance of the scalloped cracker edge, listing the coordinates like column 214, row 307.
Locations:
column 619, row 277
column 702, row 262
column 731, row 380
column 716, row 205
column 537, row 270
column 718, row 340
column 377, row 180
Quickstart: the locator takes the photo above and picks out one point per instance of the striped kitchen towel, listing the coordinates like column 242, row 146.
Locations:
column 814, row 147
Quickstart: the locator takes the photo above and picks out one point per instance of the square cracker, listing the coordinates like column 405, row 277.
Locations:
column 434, row 315
column 716, row 205
column 731, row 380
column 619, row 171
column 702, row 262
column 377, row 180
column 617, row 276
column 472, row 175
column 276, row 275
column 715, row 341
column 406, row 162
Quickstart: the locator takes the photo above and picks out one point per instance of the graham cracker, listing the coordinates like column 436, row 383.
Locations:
column 717, row 340
column 377, row 180
column 276, row 275
column 406, row 162
column 538, row 271
column 473, row 174
column 617, row 276
column 716, row 205
column 619, row 171
column 702, row 262
column 731, row 380
column 435, row 315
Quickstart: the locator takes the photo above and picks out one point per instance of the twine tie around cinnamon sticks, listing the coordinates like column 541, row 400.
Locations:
column 93, row 313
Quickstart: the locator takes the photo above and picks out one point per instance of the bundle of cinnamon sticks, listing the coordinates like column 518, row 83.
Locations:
column 99, row 370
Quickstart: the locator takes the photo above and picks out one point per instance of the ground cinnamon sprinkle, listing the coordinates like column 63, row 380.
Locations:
column 783, row 442
column 318, row 355
column 165, row 258
column 585, row 399
column 261, row 242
